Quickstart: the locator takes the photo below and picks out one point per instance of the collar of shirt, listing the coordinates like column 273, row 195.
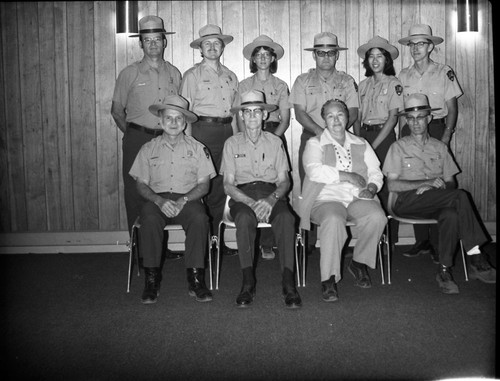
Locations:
column 180, row 142
column 144, row 65
column 205, row 66
column 326, row 138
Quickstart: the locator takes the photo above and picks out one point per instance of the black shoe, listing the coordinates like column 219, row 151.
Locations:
column 420, row 247
column 360, row 273
column 445, row 281
column 197, row 287
column 245, row 298
column 480, row 269
column 169, row 254
column 291, row 296
column 329, row 291
column 152, row 286
column 228, row 251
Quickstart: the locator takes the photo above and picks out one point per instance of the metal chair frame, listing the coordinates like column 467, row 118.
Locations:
column 133, row 248
column 413, row 221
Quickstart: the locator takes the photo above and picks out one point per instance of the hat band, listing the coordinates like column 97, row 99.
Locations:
column 253, row 103
column 152, row 31
column 417, row 108
column 210, row 35
column 326, row 46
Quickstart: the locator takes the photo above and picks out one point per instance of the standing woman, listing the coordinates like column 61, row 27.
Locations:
column 263, row 54
column 380, row 98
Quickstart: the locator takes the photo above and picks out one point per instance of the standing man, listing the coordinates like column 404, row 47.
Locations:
column 420, row 169
column 439, row 83
column 138, row 86
column 311, row 90
column 211, row 89
column 173, row 196
column 255, row 169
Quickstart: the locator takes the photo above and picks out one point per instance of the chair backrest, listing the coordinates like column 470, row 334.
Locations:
column 390, row 204
column 228, row 219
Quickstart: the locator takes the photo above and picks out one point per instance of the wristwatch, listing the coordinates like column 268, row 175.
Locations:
column 275, row 195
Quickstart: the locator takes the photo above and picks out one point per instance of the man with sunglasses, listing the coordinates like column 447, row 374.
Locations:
column 255, row 169
column 439, row 83
column 311, row 90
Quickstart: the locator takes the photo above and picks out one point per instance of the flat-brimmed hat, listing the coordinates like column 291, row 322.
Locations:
column 378, row 42
column 151, row 24
column 416, row 102
column 325, row 40
column 174, row 102
column 263, row 40
column 210, row 31
column 421, row 30
column 253, row 98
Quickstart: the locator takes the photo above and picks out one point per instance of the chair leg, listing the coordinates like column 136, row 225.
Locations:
column 297, row 263
column 464, row 262
column 210, row 242
column 380, row 254
column 389, row 253
column 217, row 260
column 131, row 248
column 304, row 255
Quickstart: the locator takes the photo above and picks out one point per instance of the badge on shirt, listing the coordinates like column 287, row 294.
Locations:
column 451, row 75
column 189, row 153
column 207, row 154
column 399, row 89
column 237, row 155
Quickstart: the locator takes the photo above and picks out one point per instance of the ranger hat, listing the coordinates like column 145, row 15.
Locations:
column 177, row 103
column 263, row 40
column 416, row 102
column 325, row 40
column 253, row 98
column 378, row 42
column 210, row 31
column 420, row 31
column 151, row 24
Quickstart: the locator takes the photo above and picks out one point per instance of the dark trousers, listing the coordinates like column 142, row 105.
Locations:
column 282, row 224
column 455, row 215
column 194, row 221
column 436, row 129
column 213, row 135
column 132, row 142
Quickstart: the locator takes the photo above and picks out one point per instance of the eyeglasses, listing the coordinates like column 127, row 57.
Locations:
column 330, row 53
column 149, row 40
column 417, row 44
column 418, row 119
column 263, row 55
column 255, row 113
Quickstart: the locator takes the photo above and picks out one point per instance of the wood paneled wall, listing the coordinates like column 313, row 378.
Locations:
column 60, row 151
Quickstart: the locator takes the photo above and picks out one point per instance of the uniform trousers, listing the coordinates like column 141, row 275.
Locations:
column 332, row 217
column 282, row 224
column 213, row 135
column 454, row 212
column 427, row 232
column 194, row 221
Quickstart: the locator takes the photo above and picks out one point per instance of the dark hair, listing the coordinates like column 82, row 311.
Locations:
column 330, row 102
column 274, row 65
column 388, row 67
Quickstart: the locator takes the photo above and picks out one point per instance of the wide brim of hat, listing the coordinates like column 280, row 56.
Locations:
column 140, row 34
column 278, row 49
column 191, row 117
column 393, row 51
column 435, row 40
column 405, row 112
column 265, row 106
column 224, row 37
column 334, row 48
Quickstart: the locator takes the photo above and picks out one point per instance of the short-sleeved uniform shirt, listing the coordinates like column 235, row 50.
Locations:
column 210, row 92
column 312, row 92
column 139, row 86
column 438, row 82
column 376, row 99
column 250, row 162
column 275, row 90
column 172, row 169
column 411, row 161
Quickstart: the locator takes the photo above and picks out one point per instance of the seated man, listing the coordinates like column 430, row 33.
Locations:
column 172, row 173
column 421, row 170
column 342, row 179
column 255, row 170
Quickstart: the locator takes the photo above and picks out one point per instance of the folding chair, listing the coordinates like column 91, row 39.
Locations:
column 133, row 248
column 227, row 220
column 413, row 221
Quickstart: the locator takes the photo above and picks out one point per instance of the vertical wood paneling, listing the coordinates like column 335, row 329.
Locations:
column 5, row 203
column 395, row 30
column 232, row 24
column 490, row 213
column 410, row 11
column 182, row 25
column 251, row 29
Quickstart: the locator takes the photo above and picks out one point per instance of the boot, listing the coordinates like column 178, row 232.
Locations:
column 152, row 287
column 247, row 292
column 290, row 293
column 197, row 287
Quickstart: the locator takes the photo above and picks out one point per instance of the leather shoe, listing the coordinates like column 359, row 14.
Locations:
column 480, row 269
column 329, row 291
column 445, row 281
column 291, row 297
column 245, row 298
column 152, row 285
column 197, row 287
column 228, row 251
column 420, row 247
column 360, row 273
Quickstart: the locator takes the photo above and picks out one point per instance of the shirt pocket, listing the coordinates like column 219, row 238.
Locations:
column 435, row 164
column 313, row 90
column 412, row 164
column 156, row 166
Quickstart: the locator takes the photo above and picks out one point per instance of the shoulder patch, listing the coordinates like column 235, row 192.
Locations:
column 451, row 75
column 207, row 153
column 399, row 89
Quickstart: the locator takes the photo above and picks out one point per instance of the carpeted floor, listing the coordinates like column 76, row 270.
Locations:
column 68, row 316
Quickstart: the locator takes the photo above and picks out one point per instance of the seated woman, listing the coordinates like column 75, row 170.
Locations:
column 343, row 177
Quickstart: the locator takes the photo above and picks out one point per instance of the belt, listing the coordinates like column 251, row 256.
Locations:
column 151, row 131
column 255, row 183
column 213, row 119
column 438, row 121
column 372, row 127
column 271, row 124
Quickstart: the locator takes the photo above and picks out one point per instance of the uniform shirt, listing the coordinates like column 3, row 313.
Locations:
column 276, row 92
column 376, row 99
column 320, row 172
column 438, row 82
column 210, row 92
column 312, row 91
column 139, row 86
column 412, row 161
column 250, row 162
column 172, row 169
